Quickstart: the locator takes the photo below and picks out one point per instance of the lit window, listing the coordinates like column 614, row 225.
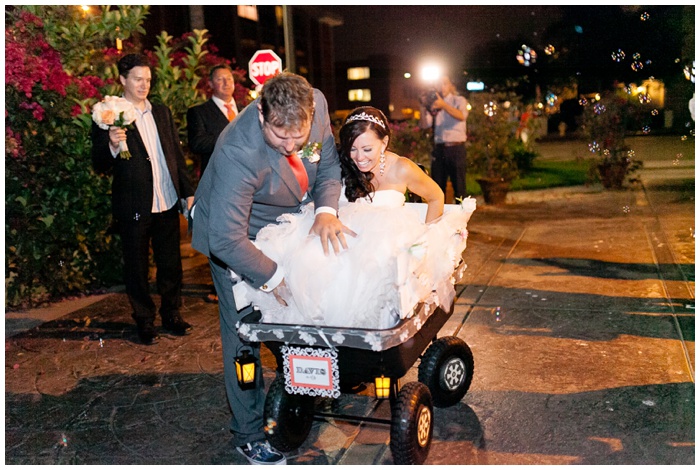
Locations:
column 248, row 11
column 360, row 95
column 358, row 73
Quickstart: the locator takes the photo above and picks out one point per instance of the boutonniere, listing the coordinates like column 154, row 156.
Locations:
column 311, row 151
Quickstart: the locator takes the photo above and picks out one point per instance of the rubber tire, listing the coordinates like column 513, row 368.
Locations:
column 447, row 368
column 288, row 417
column 411, row 424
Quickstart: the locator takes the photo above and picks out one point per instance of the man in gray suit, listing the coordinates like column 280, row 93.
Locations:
column 253, row 177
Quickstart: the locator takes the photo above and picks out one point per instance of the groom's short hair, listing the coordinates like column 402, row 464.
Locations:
column 130, row 61
column 287, row 100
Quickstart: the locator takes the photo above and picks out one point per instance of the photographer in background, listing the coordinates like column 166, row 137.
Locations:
column 446, row 112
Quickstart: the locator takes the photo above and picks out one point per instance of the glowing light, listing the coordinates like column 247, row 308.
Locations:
column 431, row 73
column 549, row 50
column 644, row 16
column 407, row 75
column 475, row 86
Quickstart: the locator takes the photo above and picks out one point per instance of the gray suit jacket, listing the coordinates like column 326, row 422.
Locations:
column 247, row 185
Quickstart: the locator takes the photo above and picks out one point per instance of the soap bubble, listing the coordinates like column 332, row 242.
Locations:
column 618, row 55
column 644, row 98
column 490, row 109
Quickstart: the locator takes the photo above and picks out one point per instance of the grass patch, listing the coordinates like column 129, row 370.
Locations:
column 543, row 175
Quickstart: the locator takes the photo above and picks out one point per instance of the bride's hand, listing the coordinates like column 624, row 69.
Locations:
column 329, row 228
column 281, row 292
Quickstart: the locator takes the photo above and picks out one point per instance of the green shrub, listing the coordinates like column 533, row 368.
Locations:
column 523, row 155
column 59, row 61
column 57, row 215
column 410, row 141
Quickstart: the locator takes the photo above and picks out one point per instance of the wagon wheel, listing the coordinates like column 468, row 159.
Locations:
column 447, row 368
column 288, row 417
column 411, row 424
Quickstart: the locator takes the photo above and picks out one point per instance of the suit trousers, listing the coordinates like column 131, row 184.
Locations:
column 247, row 406
column 162, row 232
column 450, row 161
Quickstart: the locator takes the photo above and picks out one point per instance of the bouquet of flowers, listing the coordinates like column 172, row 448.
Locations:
column 115, row 111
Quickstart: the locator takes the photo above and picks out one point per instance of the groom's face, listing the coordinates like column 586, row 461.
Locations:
column 285, row 140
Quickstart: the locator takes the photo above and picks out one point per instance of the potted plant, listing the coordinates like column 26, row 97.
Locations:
column 605, row 124
column 491, row 141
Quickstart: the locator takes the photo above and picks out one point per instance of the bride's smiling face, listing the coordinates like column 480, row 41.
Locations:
column 366, row 149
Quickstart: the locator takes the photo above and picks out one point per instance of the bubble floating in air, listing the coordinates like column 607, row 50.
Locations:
column 618, row 55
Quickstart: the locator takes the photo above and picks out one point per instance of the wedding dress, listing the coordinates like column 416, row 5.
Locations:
column 395, row 262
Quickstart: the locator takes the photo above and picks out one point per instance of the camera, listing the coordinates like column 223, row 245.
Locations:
column 428, row 99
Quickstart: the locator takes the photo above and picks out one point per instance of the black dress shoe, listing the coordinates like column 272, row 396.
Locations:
column 177, row 326
column 147, row 332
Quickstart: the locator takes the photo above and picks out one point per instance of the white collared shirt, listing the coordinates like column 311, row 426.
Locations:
column 220, row 103
column 164, row 194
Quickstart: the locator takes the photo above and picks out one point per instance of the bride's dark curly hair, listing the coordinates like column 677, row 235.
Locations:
column 357, row 183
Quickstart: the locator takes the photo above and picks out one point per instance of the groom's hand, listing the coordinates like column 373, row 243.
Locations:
column 329, row 228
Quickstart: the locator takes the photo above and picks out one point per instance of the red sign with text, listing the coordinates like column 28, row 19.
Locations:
column 264, row 65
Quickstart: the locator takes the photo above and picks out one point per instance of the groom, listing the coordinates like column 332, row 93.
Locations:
column 253, row 177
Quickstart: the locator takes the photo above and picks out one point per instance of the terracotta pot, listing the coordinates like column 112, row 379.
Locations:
column 494, row 190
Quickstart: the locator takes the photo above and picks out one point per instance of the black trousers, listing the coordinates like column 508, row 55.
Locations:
column 162, row 232
column 450, row 162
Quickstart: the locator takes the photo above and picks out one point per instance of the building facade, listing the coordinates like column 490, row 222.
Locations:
column 376, row 81
column 238, row 31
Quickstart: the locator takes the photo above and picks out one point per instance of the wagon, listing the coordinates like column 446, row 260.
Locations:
column 321, row 361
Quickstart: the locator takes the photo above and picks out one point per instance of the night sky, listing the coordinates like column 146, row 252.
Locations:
column 457, row 37
column 444, row 33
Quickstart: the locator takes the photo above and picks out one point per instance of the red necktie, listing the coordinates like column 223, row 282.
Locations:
column 231, row 113
column 299, row 172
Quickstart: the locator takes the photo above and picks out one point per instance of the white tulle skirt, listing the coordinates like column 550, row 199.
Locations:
column 395, row 262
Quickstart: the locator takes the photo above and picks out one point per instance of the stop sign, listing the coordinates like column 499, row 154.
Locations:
column 264, row 65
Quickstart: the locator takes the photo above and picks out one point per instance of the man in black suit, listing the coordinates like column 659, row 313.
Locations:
column 206, row 121
column 146, row 192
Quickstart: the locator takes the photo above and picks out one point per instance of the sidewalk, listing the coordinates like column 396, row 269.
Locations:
column 578, row 305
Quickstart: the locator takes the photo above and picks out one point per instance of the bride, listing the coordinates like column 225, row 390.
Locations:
column 399, row 257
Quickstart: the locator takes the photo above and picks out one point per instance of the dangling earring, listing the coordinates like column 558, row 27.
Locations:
column 382, row 163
